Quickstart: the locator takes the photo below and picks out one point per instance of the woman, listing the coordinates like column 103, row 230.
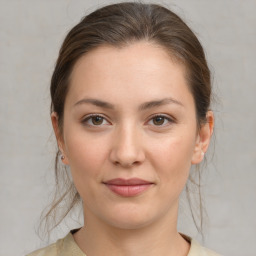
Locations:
column 130, row 109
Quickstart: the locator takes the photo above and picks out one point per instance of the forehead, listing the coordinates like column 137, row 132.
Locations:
column 142, row 55
column 143, row 70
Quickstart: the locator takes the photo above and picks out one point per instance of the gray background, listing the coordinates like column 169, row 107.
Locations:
column 31, row 32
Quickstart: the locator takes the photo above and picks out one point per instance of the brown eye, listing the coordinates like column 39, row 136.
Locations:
column 97, row 120
column 158, row 120
column 94, row 120
column 161, row 120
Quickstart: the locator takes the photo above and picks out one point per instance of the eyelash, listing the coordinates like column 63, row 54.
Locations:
column 85, row 120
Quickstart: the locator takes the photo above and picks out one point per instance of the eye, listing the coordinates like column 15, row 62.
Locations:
column 161, row 120
column 94, row 120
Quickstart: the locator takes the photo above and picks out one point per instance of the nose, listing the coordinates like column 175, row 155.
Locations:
column 127, row 149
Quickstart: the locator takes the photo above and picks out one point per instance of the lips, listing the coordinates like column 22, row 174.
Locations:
column 128, row 187
column 128, row 182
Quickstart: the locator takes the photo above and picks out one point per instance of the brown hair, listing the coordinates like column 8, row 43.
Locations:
column 119, row 25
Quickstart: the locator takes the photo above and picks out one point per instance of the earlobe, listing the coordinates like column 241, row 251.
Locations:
column 203, row 139
column 60, row 142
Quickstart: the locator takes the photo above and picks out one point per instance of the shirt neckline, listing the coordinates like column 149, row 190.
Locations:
column 71, row 246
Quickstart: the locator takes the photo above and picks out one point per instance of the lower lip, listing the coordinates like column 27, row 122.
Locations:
column 128, row 191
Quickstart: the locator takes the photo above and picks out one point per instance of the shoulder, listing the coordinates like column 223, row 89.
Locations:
column 196, row 249
column 199, row 250
column 63, row 247
column 50, row 250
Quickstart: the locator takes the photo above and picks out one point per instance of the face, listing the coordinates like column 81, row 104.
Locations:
column 130, row 134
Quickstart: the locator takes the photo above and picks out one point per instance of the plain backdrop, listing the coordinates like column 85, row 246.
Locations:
column 31, row 32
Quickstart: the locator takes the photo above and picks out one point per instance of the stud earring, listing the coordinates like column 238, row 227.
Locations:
column 202, row 153
column 62, row 157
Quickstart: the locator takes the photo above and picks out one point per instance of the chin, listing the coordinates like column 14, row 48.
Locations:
column 130, row 219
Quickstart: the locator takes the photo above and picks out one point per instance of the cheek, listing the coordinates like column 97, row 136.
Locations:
column 86, row 157
column 173, row 160
column 85, row 153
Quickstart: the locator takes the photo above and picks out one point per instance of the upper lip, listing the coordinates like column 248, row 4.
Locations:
column 127, row 182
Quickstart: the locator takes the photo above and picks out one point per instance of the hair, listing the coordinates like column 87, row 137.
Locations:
column 120, row 25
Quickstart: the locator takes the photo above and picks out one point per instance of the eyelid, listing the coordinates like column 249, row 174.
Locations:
column 167, row 117
column 88, row 117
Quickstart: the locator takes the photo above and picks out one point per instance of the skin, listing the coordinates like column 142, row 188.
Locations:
column 127, row 143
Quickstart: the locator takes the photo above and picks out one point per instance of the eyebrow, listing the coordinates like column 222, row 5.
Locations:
column 143, row 106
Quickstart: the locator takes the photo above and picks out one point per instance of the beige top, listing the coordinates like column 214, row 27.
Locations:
column 68, row 247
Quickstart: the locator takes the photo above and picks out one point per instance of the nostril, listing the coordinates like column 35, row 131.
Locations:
column 126, row 164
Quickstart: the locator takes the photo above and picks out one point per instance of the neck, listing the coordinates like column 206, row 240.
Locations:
column 98, row 238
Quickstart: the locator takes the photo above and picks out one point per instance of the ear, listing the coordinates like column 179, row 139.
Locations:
column 59, row 137
column 203, row 139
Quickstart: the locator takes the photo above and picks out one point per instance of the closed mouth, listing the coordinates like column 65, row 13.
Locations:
column 127, row 182
column 128, row 187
